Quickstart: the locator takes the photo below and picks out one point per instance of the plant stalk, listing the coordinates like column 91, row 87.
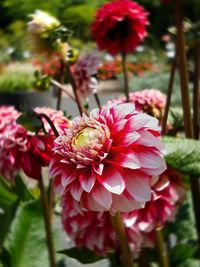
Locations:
column 118, row 226
column 182, row 63
column 185, row 100
column 64, row 89
column 169, row 95
column 62, row 77
column 196, row 91
column 161, row 248
column 75, row 91
column 125, row 72
column 47, row 222
column 43, row 115
column 97, row 100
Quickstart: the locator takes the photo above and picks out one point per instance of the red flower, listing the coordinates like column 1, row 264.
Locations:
column 120, row 26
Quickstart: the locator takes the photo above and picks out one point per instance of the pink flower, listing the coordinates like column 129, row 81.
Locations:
column 85, row 70
column 21, row 149
column 120, row 26
column 150, row 101
column 94, row 231
column 105, row 160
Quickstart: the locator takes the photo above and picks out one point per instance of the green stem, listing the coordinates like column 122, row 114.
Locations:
column 97, row 100
column 118, row 226
column 182, row 63
column 125, row 72
column 196, row 91
column 43, row 115
column 185, row 100
column 47, row 222
column 169, row 95
column 161, row 248
column 74, row 87
column 62, row 77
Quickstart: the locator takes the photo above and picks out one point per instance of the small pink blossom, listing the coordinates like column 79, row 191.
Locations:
column 21, row 149
column 150, row 101
column 85, row 70
column 105, row 160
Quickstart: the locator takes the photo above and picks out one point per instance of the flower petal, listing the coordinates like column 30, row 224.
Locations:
column 102, row 196
column 87, row 181
column 138, row 187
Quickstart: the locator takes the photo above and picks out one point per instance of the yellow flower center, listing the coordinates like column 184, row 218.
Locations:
column 86, row 137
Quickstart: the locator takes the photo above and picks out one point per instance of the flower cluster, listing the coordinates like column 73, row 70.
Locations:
column 85, row 71
column 150, row 101
column 94, row 231
column 21, row 149
column 105, row 160
column 120, row 26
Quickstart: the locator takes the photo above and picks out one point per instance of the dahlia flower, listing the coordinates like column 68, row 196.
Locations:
column 94, row 231
column 105, row 160
column 21, row 149
column 120, row 26
column 85, row 70
column 150, row 101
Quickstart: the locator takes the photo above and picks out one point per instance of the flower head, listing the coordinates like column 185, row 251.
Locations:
column 150, row 101
column 42, row 40
column 105, row 160
column 21, row 149
column 120, row 26
column 85, row 70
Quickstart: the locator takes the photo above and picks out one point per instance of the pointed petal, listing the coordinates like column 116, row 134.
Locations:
column 127, row 160
column 123, row 204
column 102, row 196
column 113, row 181
column 138, row 187
column 76, row 191
column 87, row 181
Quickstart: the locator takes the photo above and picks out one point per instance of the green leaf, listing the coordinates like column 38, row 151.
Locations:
column 26, row 244
column 30, row 121
column 181, row 253
column 21, row 189
column 183, row 155
column 7, row 197
column 82, row 255
column 190, row 263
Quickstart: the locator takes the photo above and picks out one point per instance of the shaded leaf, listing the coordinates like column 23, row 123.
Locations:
column 190, row 263
column 26, row 244
column 82, row 255
column 183, row 155
column 181, row 253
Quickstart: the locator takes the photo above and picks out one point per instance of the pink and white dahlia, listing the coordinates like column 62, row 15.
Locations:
column 21, row 149
column 85, row 70
column 120, row 26
column 93, row 230
column 150, row 101
column 106, row 160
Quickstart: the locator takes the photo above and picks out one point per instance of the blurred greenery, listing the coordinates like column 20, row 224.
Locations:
column 77, row 15
column 16, row 78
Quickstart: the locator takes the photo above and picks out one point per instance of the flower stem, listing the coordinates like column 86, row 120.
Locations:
column 169, row 95
column 43, row 115
column 182, row 63
column 161, row 248
column 185, row 100
column 125, row 72
column 74, row 87
column 97, row 100
column 62, row 76
column 47, row 222
column 64, row 89
column 118, row 226
column 196, row 91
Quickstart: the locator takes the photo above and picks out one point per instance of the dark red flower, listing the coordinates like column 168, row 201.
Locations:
column 120, row 26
